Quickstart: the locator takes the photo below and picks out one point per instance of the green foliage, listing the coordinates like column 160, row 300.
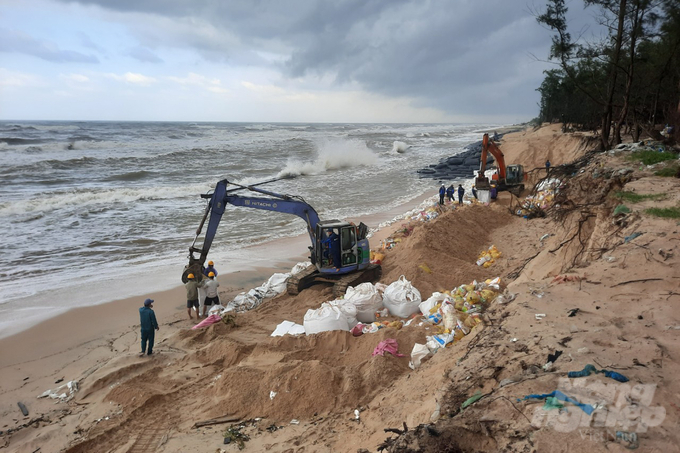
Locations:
column 666, row 213
column 596, row 84
column 649, row 157
column 633, row 197
column 668, row 171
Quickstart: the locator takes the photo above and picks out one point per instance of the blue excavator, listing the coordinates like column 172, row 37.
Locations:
column 340, row 253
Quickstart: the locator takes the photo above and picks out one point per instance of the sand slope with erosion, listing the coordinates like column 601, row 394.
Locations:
column 626, row 292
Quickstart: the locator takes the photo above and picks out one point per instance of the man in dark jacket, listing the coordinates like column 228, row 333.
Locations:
column 442, row 194
column 147, row 319
column 461, row 192
column 449, row 192
column 332, row 243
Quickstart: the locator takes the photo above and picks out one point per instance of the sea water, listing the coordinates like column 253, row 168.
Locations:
column 98, row 211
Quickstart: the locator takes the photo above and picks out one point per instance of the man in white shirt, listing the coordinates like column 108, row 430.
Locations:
column 210, row 286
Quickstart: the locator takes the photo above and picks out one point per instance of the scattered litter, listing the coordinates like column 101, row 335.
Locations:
column 510, row 380
column 513, row 340
column 539, row 316
column 609, row 258
column 389, row 345
column 72, row 387
column 478, row 395
column 545, row 236
column 567, row 278
column 488, row 257
column 552, row 403
column 295, row 422
column 418, row 354
column 272, row 394
column 506, row 297
column 621, row 209
column 583, row 350
column 672, row 327
column 573, row 312
column 425, row 268
column 630, row 438
column 587, row 408
column 631, row 237
column 553, row 357
column 536, row 292
column 589, row 369
column 356, row 414
column 288, row 328
column 210, row 320
column 23, row 408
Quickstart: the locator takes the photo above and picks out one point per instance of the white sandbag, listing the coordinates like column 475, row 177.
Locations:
column 274, row 286
column 324, row 319
column 245, row 301
column 367, row 300
column 429, row 304
column 299, row 267
column 348, row 309
column 401, row 298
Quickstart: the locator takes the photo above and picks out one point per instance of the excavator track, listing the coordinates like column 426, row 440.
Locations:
column 311, row 275
column 371, row 273
column 301, row 280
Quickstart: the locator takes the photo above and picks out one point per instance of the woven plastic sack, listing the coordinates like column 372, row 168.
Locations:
column 348, row 309
column 427, row 305
column 401, row 298
column 367, row 300
column 324, row 319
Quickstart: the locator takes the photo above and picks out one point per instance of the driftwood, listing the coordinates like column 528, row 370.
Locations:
column 637, row 281
column 217, row 421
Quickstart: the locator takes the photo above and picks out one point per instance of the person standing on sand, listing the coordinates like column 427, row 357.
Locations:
column 442, row 193
column 209, row 269
column 192, row 295
column 461, row 192
column 147, row 320
column 449, row 193
column 547, row 166
column 211, row 296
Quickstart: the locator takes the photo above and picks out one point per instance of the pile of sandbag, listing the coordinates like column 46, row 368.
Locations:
column 454, row 314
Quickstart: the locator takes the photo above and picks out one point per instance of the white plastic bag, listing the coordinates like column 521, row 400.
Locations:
column 429, row 304
column 299, row 267
column 401, row 298
column 324, row 319
column 348, row 309
column 367, row 300
column 274, row 286
column 419, row 352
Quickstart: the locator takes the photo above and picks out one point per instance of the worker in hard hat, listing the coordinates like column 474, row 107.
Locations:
column 209, row 269
column 192, row 286
column 210, row 285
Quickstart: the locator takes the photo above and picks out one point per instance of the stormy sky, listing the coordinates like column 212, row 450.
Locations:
column 273, row 60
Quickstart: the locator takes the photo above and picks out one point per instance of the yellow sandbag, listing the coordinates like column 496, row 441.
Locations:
column 458, row 334
column 473, row 298
column 488, row 295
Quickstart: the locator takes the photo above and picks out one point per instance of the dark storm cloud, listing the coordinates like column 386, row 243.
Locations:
column 14, row 41
column 461, row 56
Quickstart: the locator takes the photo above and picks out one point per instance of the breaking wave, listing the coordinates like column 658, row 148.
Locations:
column 333, row 154
column 399, row 147
column 80, row 198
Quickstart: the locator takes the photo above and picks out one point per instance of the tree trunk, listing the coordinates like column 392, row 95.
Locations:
column 636, row 19
column 607, row 112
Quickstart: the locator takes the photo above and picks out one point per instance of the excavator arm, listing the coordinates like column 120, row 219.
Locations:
column 488, row 146
column 222, row 196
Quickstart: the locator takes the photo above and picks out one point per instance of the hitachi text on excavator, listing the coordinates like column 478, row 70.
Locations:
column 340, row 252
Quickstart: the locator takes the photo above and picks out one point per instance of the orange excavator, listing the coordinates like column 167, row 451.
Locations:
column 510, row 177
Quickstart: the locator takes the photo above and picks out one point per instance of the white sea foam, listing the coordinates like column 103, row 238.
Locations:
column 79, row 198
column 399, row 147
column 333, row 154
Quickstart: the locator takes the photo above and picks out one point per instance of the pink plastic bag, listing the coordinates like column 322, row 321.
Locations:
column 212, row 319
column 390, row 345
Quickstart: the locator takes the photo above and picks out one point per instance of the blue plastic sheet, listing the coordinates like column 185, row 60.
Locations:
column 587, row 408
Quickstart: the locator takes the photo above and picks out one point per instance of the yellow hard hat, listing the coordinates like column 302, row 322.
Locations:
column 211, row 274
column 210, row 263
column 190, row 276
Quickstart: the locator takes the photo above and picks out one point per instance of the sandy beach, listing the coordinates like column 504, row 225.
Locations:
column 623, row 291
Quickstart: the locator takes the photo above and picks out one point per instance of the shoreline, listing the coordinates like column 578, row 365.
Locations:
column 85, row 326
